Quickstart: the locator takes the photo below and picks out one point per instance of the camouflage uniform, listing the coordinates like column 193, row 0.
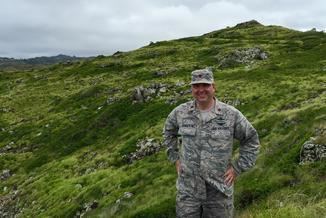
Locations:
column 205, row 155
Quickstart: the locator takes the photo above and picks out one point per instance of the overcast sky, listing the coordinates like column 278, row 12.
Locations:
column 30, row 28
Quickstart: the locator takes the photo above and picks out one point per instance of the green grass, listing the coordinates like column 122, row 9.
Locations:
column 68, row 143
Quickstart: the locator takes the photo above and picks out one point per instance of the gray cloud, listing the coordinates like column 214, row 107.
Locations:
column 91, row 27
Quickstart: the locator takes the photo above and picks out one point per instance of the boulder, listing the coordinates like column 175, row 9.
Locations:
column 137, row 96
column 312, row 152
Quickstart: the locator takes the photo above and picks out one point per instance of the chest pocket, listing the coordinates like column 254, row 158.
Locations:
column 188, row 127
column 220, row 132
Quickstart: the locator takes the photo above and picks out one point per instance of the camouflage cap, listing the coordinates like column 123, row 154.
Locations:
column 202, row 76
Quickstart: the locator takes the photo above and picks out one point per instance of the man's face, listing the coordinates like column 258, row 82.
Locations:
column 203, row 92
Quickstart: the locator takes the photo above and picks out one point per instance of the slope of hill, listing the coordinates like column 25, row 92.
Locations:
column 84, row 139
column 12, row 64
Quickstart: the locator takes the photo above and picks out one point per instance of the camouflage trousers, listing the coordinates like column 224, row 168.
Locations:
column 216, row 204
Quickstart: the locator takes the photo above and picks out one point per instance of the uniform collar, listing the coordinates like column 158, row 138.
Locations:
column 217, row 107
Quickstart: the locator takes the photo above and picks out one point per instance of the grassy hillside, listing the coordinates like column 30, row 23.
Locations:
column 65, row 131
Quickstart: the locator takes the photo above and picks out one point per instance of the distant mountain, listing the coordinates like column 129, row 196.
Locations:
column 7, row 64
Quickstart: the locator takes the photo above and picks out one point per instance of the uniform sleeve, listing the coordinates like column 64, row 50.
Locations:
column 249, row 144
column 170, row 136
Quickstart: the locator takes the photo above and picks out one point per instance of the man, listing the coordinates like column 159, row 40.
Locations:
column 207, row 127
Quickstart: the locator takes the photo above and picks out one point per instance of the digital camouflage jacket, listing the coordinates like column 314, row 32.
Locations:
column 206, row 149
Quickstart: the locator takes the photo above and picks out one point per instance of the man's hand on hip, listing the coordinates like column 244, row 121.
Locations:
column 229, row 176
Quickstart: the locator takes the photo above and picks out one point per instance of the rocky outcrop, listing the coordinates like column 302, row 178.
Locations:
column 145, row 147
column 170, row 93
column 312, row 152
column 86, row 208
column 7, row 148
column 242, row 56
column 143, row 94
column 12, row 148
column 8, row 204
column 248, row 24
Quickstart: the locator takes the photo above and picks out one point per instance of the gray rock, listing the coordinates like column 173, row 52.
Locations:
column 8, row 205
column 149, row 92
column 156, row 85
column 242, row 56
column 127, row 195
column 312, row 152
column 145, row 94
column 163, row 89
column 159, row 73
column 145, row 147
column 5, row 174
column 320, row 131
column 111, row 100
column 171, row 101
column 86, row 208
column 89, row 170
column 263, row 56
column 158, row 90
column 179, row 84
column 138, row 94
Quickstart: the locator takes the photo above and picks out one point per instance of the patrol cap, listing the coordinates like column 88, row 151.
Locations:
column 202, row 76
